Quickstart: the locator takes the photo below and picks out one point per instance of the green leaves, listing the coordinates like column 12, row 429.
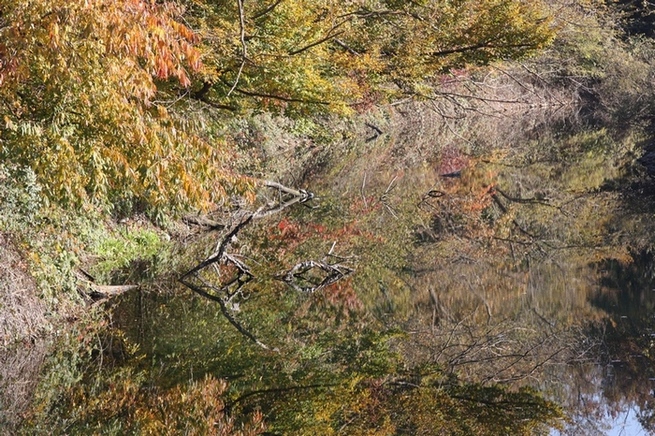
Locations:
column 308, row 56
column 94, row 93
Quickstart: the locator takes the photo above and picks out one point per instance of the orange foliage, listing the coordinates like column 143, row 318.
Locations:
column 194, row 409
column 84, row 86
column 342, row 295
column 143, row 34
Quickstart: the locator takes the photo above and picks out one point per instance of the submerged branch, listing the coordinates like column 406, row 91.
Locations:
column 101, row 292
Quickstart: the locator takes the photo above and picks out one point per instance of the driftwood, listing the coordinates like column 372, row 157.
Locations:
column 296, row 276
column 101, row 293
column 287, row 197
column 203, row 221
column 325, row 273
column 111, row 291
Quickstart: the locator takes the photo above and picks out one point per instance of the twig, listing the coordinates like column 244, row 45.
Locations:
column 225, row 312
column 244, row 51
column 266, row 10
column 362, row 190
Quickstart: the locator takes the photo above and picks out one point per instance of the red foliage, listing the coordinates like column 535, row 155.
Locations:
column 452, row 160
column 342, row 295
column 287, row 229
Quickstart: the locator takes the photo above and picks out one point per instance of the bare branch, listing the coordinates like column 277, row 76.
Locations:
column 244, row 51
column 266, row 10
column 225, row 311
column 278, row 97
column 315, row 43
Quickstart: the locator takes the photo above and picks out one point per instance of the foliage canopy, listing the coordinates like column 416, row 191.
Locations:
column 82, row 84
column 99, row 97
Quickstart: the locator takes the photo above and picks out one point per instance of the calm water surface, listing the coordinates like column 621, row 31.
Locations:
column 526, row 263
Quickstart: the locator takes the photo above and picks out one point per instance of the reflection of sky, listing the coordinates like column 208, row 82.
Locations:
column 627, row 424
column 603, row 419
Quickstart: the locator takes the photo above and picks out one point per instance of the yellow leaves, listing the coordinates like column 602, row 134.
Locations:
column 105, row 62
column 330, row 54
column 79, row 79
column 9, row 123
column 54, row 34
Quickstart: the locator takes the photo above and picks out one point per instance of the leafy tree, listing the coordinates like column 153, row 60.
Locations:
column 82, row 103
column 93, row 92
column 335, row 54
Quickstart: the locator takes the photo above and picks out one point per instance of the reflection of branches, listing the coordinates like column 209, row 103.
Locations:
column 222, row 302
column 228, row 292
column 330, row 273
column 505, row 352
column 376, row 132
column 333, row 273
column 484, row 300
column 533, row 200
column 384, row 198
column 277, row 391
column 432, row 193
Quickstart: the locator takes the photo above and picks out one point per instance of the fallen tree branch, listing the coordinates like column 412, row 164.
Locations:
column 218, row 255
column 332, row 273
column 112, row 290
column 203, row 221
column 101, row 292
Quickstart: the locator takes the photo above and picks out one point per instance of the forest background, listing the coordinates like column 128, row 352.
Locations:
column 141, row 113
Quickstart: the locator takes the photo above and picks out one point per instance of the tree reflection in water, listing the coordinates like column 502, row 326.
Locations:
column 467, row 294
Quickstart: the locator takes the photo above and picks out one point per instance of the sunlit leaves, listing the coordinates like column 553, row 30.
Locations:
column 125, row 406
column 334, row 55
column 92, row 90
column 85, row 103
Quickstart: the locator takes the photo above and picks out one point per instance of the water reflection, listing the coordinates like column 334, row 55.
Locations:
column 19, row 373
column 526, row 270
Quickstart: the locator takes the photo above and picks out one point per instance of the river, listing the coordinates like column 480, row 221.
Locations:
column 454, row 258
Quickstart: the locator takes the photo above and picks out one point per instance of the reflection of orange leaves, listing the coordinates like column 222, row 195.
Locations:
column 481, row 199
column 291, row 234
column 360, row 205
column 315, row 229
column 198, row 407
column 287, row 229
column 342, row 295
column 349, row 229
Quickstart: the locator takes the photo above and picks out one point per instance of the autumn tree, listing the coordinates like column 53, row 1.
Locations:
column 83, row 90
column 335, row 55
column 94, row 92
